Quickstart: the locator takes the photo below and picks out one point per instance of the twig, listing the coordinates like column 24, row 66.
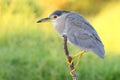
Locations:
column 69, row 58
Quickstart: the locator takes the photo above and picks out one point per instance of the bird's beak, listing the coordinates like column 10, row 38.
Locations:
column 43, row 20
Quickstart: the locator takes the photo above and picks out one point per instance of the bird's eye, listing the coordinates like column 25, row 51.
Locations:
column 55, row 16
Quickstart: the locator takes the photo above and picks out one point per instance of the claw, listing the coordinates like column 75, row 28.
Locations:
column 70, row 63
column 73, row 71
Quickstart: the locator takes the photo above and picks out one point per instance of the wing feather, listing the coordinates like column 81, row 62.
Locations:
column 83, row 35
column 79, row 21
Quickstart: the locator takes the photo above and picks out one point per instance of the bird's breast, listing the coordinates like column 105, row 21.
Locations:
column 59, row 27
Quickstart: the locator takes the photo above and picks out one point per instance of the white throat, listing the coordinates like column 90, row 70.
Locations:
column 59, row 24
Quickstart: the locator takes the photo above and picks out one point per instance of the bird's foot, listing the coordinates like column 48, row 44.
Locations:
column 78, row 61
column 73, row 70
column 69, row 61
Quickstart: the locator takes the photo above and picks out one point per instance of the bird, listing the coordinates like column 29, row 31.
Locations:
column 78, row 30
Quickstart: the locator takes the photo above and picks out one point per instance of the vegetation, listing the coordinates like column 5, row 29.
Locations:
column 30, row 51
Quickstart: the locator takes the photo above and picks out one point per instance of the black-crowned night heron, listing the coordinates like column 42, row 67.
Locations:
column 79, row 32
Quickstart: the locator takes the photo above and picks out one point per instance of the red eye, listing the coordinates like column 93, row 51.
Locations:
column 54, row 16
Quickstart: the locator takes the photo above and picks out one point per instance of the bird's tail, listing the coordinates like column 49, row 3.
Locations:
column 99, row 51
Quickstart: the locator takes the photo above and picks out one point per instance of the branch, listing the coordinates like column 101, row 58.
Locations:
column 69, row 58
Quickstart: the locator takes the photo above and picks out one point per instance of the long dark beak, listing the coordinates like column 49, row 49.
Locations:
column 43, row 20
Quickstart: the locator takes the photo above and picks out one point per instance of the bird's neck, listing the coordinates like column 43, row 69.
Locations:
column 59, row 25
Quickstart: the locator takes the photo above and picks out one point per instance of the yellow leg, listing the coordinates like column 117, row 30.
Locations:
column 77, row 55
column 78, row 61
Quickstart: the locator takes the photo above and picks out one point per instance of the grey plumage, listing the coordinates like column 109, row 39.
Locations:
column 78, row 31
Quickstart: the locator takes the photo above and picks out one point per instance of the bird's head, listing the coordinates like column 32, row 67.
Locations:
column 54, row 16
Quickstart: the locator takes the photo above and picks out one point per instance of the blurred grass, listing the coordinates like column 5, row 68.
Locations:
column 28, row 58
column 30, row 51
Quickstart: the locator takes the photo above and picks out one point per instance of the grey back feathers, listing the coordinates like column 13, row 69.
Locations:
column 79, row 32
